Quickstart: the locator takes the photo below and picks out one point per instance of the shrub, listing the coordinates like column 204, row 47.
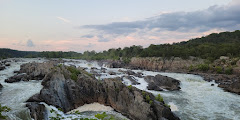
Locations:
column 74, row 72
column 148, row 99
column 218, row 69
column 74, row 76
column 130, row 87
column 167, row 105
column 229, row 71
column 101, row 116
column 203, row 67
column 3, row 109
column 159, row 98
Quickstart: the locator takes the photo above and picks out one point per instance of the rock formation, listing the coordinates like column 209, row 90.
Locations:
column 174, row 64
column 62, row 90
column 160, row 82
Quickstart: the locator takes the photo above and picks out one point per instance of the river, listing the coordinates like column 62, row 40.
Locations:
column 197, row 99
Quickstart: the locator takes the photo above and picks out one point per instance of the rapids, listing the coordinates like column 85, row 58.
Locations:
column 197, row 99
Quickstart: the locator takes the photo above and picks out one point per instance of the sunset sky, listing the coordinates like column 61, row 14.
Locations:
column 80, row 25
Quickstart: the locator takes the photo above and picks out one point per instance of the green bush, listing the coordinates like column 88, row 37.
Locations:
column 101, row 116
column 203, row 67
column 74, row 76
column 229, row 71
column 3, row 109
column 148, row 99
column 130, row 87
column 167, row 105
column 218, row 69
column 159, row 98
column 74, row 72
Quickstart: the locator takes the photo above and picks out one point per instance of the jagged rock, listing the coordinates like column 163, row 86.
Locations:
column 175, row 64
column 7, row 64
column 103, row 70
column 37, row 111
column 139, row 74
column 112, row 73
column 17, row 78
column 2, row 67
column 160, row 82
column 132, row 79
column 129, row 72
column 115, row 64
column 1, row 86
column 59, row 90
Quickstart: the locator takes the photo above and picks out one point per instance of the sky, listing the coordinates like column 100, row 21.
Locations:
column 80, row 25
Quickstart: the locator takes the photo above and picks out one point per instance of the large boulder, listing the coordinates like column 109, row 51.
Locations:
column 37, row 71
column 2, row 67
column 132, row 80
column 37, row 111
column 63, row 92
column 32, row 71
column 160, row 82
column 17, row 78
column 1, row 86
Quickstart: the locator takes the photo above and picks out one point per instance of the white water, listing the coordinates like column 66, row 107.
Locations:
column 14, row 95
column 197, row 99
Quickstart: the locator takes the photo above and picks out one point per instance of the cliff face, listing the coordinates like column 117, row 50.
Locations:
column 174, row 64
column 60, row 90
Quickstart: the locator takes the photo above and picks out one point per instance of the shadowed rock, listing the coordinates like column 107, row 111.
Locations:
column 63, row 92
column 160, row 82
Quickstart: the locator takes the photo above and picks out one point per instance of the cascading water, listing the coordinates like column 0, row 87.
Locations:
column 197, row 99
column 14, row 95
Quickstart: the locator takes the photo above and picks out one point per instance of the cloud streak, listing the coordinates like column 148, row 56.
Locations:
column 64, row 19
column 215, row 17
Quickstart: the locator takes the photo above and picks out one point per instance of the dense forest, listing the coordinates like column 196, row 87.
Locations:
column 208, row 47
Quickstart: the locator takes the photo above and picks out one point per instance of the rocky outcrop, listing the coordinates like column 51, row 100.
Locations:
column 37, row 111
column 132, row 80
column 173, row 64
column 115, row 64
column 63, row 92
column 32, row 71
column 160, row 82
column 230, row 83
column 1, row 86
column 17, row 78
column 2, row 67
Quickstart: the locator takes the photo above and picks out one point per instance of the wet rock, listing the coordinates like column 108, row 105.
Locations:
column 2, row 67
column 115, row 64
column 7, row 64
column 212, row 84
column 132, row 79
column 160, row 82
column 233, row 87
column 103, row 70
column 1, row 86
column 67, row 94
column 129, row 72
column 93, row 68
column 139, row 74
column 17, row 78
column 37, row 111
column 112, row 73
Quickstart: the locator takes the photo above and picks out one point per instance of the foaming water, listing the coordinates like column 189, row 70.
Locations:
column 14, row 95
column 197, row 99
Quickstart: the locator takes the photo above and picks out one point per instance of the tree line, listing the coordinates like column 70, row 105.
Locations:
column 209, row 47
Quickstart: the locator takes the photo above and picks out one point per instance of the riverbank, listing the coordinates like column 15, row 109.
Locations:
column 224, row 71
